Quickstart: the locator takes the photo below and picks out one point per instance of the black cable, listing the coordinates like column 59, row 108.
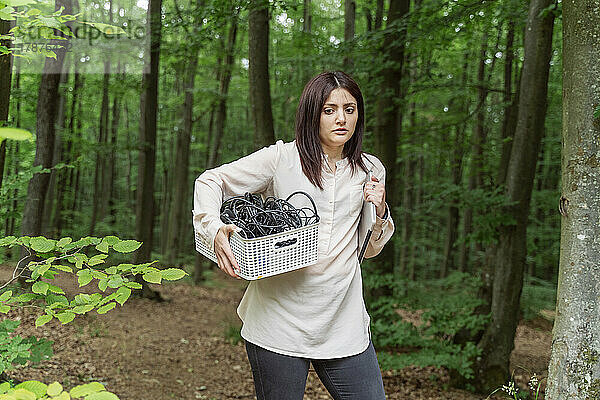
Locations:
column 257, row 217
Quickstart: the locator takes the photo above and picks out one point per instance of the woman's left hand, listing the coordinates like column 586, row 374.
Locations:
column 374, row 192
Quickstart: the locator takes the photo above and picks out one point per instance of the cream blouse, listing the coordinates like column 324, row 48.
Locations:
column 318, row 311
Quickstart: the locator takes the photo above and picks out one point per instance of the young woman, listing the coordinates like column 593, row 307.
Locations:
column 315, row 314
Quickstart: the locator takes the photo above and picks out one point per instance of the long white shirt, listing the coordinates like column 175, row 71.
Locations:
column 318, row 311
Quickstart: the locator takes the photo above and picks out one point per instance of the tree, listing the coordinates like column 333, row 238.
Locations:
column 349, row 28
column 45, row 131
column 574, row 370
column 508, row 255
column 388, row 125
column 144, row 220
column 5, row 81
column 258, row 73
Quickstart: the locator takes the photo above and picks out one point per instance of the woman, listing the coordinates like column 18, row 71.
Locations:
column 317, row 313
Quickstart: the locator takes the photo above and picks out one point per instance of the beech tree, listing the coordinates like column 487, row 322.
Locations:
column 509, row 254
column 258, row 73
column 574, row 371
column 45, row 131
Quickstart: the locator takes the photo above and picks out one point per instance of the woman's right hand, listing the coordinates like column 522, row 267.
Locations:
column 225, row 258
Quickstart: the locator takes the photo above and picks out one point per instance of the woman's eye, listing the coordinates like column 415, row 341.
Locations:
column 350, row 110
column 328, row 111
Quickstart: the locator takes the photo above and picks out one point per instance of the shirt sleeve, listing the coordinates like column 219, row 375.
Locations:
column 252, row 173
column 383, row 229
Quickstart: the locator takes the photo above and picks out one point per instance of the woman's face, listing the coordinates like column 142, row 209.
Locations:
column 338, row 118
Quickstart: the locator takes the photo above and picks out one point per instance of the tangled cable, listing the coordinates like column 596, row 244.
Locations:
column 257, row 217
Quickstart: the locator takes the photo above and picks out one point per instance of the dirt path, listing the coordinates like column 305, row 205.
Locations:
column 178, row 349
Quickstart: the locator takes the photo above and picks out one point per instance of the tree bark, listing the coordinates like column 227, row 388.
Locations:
column 99, row 200
column 258, row 73
column 508, row 255
column 574, row 370
column 349, row 28
column 388, row 124
column 31, row 224
column 147, row 142
column 510, row 104
column 5, row 82
column 379, row 14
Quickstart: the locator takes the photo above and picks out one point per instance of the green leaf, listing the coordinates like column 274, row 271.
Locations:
column 25, row 297
column 97, row 259
column 83, row 309
column 64, row 268
column 103, row 284
column 102, row 396
column 6, row 295
column 105, row 28
column 123, row 294
column 133, row 285
column 103, row 247
column 84, row 277
column 40, row 287
column 127, row 246
column 597, row 112
column 17, row 3
column 172, row 274
column 41, row 245
column 153, row 277
column 65, row 317
column 55, row 289
column 54, row 389
column 14, row 133
column 4, row 308
column 42, row 320
column 115, row 281
column 111, row 270
column 63, row 242
column 98, row 274
column 87, row 389
column 106, row 308
column 36, row 387
column 4, row 387
column 82, row 298
column 53, row 298
column 24, row 394
column 8, row 240
column 62, row 396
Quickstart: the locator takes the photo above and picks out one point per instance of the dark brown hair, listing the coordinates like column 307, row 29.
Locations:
column 308, row 118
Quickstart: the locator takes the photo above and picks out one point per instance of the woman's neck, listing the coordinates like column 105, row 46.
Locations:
column 334, row 154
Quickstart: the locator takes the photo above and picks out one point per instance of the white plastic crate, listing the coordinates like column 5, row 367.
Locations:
column 270, row 255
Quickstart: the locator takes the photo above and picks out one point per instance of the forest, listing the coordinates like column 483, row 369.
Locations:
column 111, row 109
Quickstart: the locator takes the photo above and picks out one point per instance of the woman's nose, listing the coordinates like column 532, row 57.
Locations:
column 340, row 116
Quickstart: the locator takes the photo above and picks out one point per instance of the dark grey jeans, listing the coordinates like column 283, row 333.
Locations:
column 280, row 377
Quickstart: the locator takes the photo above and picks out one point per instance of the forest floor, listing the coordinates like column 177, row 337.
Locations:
column 181, row 349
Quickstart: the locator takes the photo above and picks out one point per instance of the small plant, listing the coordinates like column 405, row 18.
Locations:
column 233, row 334
column 84, row 259
column 512, row 391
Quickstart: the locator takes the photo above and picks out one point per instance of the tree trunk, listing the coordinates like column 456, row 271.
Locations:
column 45, row 131
column 508, row 255
column 349, row 28
column 388, row 124
column 98, row 201
column 258, row 73
column 574, row 370
column 510, row 104
column 144, row 221
column 54, row 189
column 379, row 14
column 5, row 81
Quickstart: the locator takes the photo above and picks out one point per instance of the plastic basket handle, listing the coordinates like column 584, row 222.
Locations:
column 285, row 243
